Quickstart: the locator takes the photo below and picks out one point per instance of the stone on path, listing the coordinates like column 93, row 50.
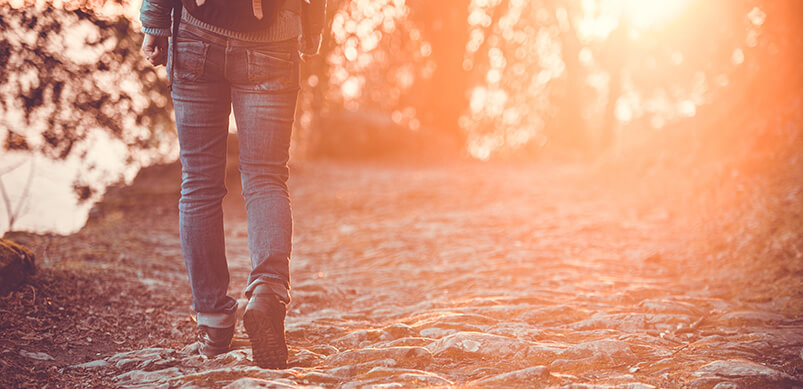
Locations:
column 739, row 371
column 407, row 357
column 530, row 376
column 633, row 385
column 480, row 345
column 16, row 263
column 141, row 378
column 36, row 355
column 404, row 377
column 92, row 364
column 751, row 318
column 633, row 322
column 595, row 354
column 248, row 382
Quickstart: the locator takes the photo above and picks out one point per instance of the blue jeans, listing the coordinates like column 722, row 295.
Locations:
column 211, row 74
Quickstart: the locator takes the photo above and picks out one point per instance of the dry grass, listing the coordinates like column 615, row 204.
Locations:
column 738, row 182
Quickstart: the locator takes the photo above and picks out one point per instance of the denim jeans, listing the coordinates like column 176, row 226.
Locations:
column 210, row 75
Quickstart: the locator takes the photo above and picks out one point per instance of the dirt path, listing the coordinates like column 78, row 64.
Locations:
column 479, row 275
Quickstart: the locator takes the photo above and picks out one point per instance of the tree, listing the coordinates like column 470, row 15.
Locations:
column 66, row 74
column 441, row 99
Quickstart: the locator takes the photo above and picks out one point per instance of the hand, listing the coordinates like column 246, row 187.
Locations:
column 308, row 47
column 155, row 49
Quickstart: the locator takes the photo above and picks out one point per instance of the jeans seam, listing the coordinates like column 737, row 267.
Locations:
column 226, row 59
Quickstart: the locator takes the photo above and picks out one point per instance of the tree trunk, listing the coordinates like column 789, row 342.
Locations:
column 441, row 100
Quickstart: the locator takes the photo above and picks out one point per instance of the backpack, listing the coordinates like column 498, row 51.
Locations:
column 234, row 15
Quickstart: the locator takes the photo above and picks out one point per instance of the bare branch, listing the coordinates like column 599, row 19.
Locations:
column 25, row 191
column 7, row 203
column 13, row 213
column 11, row 168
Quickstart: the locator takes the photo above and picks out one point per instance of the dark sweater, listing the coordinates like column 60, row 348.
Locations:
column 155, row 16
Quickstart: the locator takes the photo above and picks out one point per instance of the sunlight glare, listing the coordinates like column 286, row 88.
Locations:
column 647, row 13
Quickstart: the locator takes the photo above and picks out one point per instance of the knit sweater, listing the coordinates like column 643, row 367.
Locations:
column 155, row 16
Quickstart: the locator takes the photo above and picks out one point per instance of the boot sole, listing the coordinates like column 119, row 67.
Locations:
column 212, row 351
column 266, row 343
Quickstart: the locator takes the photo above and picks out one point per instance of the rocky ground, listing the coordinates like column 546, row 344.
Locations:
column 456, row 275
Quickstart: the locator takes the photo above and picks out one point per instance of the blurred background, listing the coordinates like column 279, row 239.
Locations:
column 685, row 100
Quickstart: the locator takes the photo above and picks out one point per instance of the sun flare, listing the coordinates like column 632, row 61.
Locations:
column 646, row 13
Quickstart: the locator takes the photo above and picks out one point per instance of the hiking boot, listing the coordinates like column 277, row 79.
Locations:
column 264, row 323
column 214, row 341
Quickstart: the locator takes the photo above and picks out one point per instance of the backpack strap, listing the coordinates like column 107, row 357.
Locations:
column 313, row 14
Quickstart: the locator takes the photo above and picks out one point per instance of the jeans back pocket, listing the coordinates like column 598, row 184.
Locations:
column 190, row 59
column 273, row 71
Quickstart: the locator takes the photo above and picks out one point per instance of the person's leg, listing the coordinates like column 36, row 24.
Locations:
column 264, row 100
column 264, row 90
column 201, row 97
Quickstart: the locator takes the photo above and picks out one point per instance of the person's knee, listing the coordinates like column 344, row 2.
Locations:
column 199, row 194
column 263, row 180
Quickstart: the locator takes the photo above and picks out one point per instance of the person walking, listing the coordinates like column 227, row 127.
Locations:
column 242, row 54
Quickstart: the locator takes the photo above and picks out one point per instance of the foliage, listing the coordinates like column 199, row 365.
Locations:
column 734, row 168
column 507, row 77
column 384, row 76
column 66, row 75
